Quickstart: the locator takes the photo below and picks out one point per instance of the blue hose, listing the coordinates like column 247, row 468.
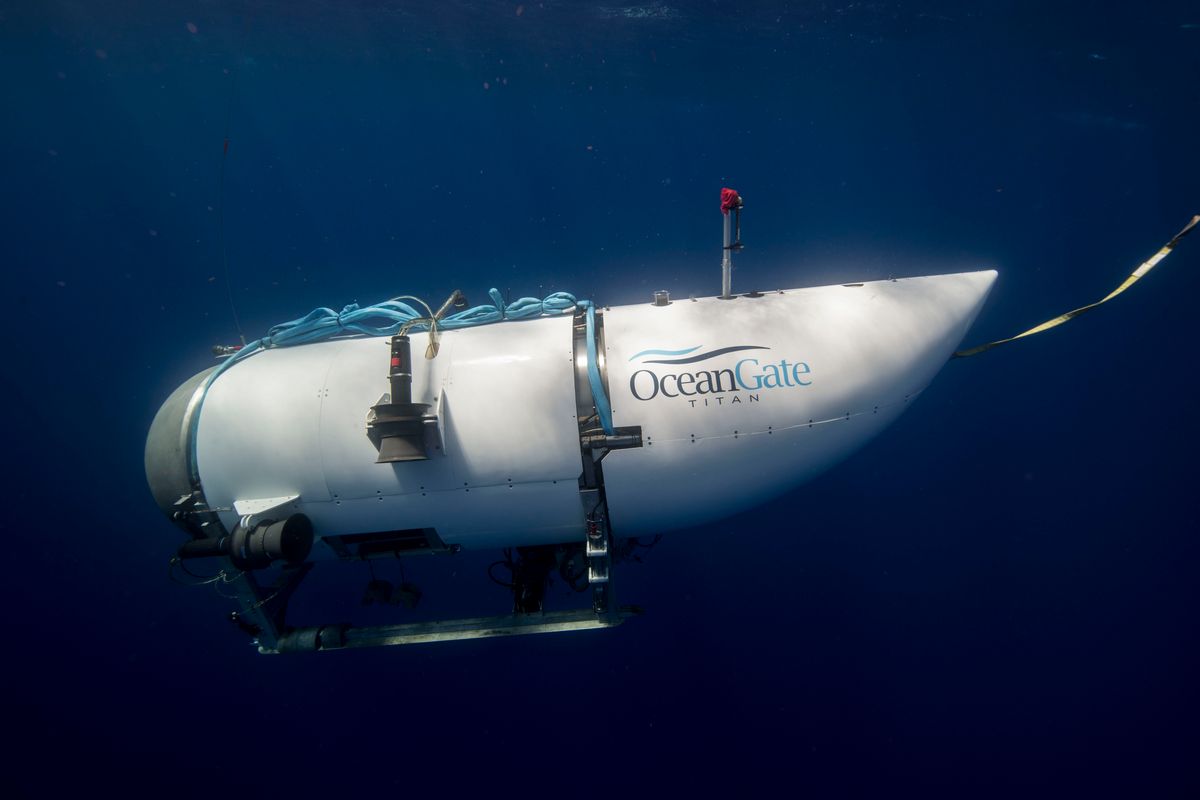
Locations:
column 599, row 398
column 386, row 318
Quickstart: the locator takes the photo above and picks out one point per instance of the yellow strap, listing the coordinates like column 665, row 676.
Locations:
column 1059, row 320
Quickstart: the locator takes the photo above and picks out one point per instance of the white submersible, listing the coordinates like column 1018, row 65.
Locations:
column 563, row 435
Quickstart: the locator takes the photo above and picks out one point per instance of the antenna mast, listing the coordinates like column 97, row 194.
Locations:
column 730, row 201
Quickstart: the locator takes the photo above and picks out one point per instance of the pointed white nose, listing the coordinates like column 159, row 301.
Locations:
column 740, row 400
column 902, row 332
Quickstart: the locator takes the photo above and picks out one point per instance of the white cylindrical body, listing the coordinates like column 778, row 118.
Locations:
column 292, row 421
column 763, row 393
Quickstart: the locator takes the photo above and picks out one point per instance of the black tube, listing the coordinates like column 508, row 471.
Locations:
column 400, row 375
column 289, row 539
column 204, row 548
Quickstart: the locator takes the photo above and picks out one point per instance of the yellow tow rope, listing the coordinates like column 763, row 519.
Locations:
column 1146, row 266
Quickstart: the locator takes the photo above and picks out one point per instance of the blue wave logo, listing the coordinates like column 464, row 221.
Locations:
column 692, row 359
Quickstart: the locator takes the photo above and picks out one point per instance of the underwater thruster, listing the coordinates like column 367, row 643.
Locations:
column 259, row 545
column 561, row 437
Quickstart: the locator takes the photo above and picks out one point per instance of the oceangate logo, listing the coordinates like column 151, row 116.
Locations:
column 749, row 375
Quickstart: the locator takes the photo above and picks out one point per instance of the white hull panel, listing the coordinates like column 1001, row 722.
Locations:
column 855, row 356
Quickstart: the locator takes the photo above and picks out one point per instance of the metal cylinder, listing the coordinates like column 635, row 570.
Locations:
column 205, row 548
column 289, row 539
column 260, row 545
column 726, row 264
column 400, row 374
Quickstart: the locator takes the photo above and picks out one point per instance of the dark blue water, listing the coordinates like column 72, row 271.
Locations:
column 998, row 596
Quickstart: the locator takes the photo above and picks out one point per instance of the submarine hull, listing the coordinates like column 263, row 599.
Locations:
column 736, row 401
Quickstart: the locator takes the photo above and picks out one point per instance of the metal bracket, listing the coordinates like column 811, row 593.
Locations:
column 263, row 611
column 599, row 562
column 338, row 637
column 254, row 507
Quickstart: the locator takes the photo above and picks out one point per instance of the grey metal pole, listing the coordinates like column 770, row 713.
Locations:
column 727, row 262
